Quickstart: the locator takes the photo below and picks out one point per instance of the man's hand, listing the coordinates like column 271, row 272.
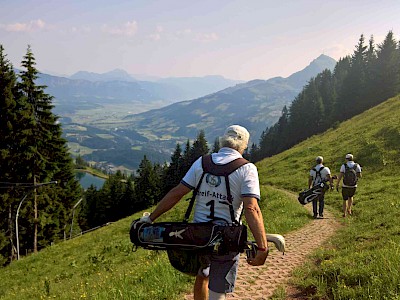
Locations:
column 259, row 259
column 145, row 218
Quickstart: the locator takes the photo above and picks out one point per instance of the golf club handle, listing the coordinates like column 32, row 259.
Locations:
column 278, row 240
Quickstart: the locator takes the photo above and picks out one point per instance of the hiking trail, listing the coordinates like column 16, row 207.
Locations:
column 259, row 283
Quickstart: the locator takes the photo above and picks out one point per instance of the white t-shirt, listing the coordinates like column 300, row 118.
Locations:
column 350, row 164
column 324, row 173
column 212, row 198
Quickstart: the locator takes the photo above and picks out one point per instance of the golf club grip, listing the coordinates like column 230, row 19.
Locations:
column 278, row 240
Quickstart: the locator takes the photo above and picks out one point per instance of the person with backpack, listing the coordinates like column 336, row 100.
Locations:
column 217, row 273
column 350, row 172
column 319, row 174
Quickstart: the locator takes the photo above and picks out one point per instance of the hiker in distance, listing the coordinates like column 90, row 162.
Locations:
column 350, row 172
column 319, row 174
column 217, row 274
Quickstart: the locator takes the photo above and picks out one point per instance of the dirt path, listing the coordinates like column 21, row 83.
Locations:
column 256, row 283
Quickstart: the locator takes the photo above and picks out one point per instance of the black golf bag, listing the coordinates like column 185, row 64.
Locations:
column 309, row 195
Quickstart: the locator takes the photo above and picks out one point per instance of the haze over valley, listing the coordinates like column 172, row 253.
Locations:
column 114, row 119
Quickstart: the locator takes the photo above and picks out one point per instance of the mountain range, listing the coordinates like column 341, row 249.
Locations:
column 85, row 90
column 256, row 104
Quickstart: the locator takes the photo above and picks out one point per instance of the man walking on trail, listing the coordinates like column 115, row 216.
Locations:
column 319, row 174
column 217, row 274
column 350, row 172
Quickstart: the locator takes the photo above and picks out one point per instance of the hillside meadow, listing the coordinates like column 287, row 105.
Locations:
column 363, row 260
column 102, row 265
column 360, row 262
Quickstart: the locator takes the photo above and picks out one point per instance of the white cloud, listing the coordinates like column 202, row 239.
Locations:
column 127, row 29
column 184, row 32
column 206, row 37
column 157, row 35
column 198, row 37
column 25, row 27
column 83, row 29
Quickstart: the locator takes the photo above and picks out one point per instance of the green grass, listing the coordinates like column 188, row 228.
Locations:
column 101, row 264
column 94, row 172
column 363, row 260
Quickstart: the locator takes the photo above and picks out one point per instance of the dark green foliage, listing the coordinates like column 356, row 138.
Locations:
column 367, row 78
column 8, row 121
column 80, row 163
column 147, row 185
column 216, row 146
column 175, row 171
column 199, row 147
column 120, row 197
column 32, row 151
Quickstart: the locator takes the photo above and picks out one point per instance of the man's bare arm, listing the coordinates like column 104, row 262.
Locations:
column 310, row 180
column 255, row 221
column 169, row 200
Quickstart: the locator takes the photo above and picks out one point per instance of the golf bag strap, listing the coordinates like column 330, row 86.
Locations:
column 218, row 170
column 191, row 203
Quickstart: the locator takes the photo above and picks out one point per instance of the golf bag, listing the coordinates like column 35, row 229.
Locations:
column 185, row 241
column 309, row 195
column 188, row 236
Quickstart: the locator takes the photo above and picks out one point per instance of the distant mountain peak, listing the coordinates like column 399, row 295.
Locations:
column 116, row 74
column 324, row 59
column 322, row 62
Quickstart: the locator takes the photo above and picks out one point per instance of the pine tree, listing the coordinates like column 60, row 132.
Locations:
column 216, row 146
column 174, row 172
column 199, row 147
column 186, row 159
column 254, row 155
column 112, row 196
column 127, row 203
column 351, row 96
column 89, row 216
column 46, row 156
column 388, row 67
column 371, row 77
column 147, row 185
column 8, row 121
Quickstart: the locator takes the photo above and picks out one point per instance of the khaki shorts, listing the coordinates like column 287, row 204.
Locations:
column 348, row 192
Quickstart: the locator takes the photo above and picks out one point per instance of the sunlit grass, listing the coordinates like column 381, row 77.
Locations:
column 362, row 260
column 101, row 264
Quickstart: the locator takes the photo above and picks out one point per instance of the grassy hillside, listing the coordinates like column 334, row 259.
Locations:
column 101, row 264
column 364, row 259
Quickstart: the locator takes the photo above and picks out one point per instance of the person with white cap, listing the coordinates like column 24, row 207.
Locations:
column 217, row 274
column 319, row 174
column 350, row 172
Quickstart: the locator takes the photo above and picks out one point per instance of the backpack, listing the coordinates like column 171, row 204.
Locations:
column 318, row 177
column 350, row 177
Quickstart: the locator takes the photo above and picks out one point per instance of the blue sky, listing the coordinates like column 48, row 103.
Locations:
column 251, row 39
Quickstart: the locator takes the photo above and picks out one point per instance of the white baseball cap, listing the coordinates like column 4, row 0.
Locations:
column 319, row 158
column 237, row 132
column 349, row 156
